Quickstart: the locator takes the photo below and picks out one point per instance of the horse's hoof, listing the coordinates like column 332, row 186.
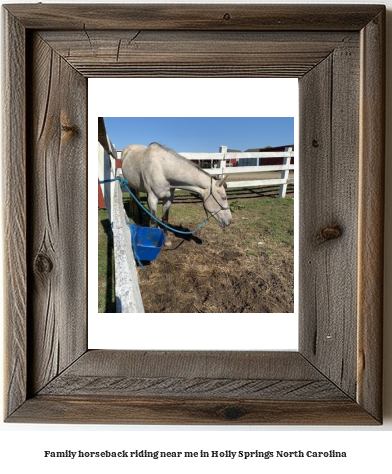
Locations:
column 168, row 243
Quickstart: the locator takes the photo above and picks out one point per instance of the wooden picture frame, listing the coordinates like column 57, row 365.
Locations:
column 338, row 54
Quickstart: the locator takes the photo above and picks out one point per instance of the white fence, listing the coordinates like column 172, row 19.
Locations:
column 128, row 297
column 222, row 166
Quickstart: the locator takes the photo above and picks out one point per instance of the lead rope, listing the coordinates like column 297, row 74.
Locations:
column 124, row 183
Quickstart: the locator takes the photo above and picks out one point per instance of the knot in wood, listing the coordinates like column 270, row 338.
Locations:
column 232, row 412
column 328, row 233
column 43, row 264
column 227, row 16
column 315, row 143
column 69, row 128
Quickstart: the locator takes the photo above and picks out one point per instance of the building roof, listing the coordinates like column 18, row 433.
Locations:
column 271, row 148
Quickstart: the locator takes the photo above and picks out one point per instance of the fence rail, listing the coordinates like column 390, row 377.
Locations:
column 221, row 164
column 128, row 296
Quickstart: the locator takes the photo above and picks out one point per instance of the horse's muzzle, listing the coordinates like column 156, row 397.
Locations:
column 224, row 222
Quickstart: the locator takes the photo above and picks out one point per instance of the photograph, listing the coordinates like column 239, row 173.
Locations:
column 211, row 226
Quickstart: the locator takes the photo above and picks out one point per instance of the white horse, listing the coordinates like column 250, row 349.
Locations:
column 158, row 171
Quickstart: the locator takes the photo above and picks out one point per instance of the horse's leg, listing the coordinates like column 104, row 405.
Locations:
column 167, row 202
column 134, row 209
column 152, row 204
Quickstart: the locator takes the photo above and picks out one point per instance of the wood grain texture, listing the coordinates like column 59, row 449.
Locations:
column 371, row 216
column 206, row 374
column 122, row 410
column 129, row 53
column 195, row 17
column 207, row 364
column 57, row 193
column 201, row 387
column 329, row 137
column 191, row 387
column 14, row 212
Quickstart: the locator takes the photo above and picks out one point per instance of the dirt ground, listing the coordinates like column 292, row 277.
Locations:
column 219, row 271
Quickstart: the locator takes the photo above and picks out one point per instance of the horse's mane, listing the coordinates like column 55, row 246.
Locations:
column 177, row 155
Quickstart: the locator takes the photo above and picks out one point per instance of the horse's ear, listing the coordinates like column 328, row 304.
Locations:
column 222, row 180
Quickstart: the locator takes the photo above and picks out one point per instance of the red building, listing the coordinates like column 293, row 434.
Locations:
column 272, row 160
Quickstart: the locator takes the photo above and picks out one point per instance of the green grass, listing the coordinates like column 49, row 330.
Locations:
column 273, row 217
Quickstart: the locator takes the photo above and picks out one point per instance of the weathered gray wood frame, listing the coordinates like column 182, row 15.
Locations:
column 337, row 52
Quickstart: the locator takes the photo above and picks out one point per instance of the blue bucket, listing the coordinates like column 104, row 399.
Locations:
column 146, row 241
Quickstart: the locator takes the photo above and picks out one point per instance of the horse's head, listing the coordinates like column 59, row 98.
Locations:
column 216, row 204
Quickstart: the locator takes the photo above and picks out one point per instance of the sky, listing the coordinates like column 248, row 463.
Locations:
column 201, row 134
